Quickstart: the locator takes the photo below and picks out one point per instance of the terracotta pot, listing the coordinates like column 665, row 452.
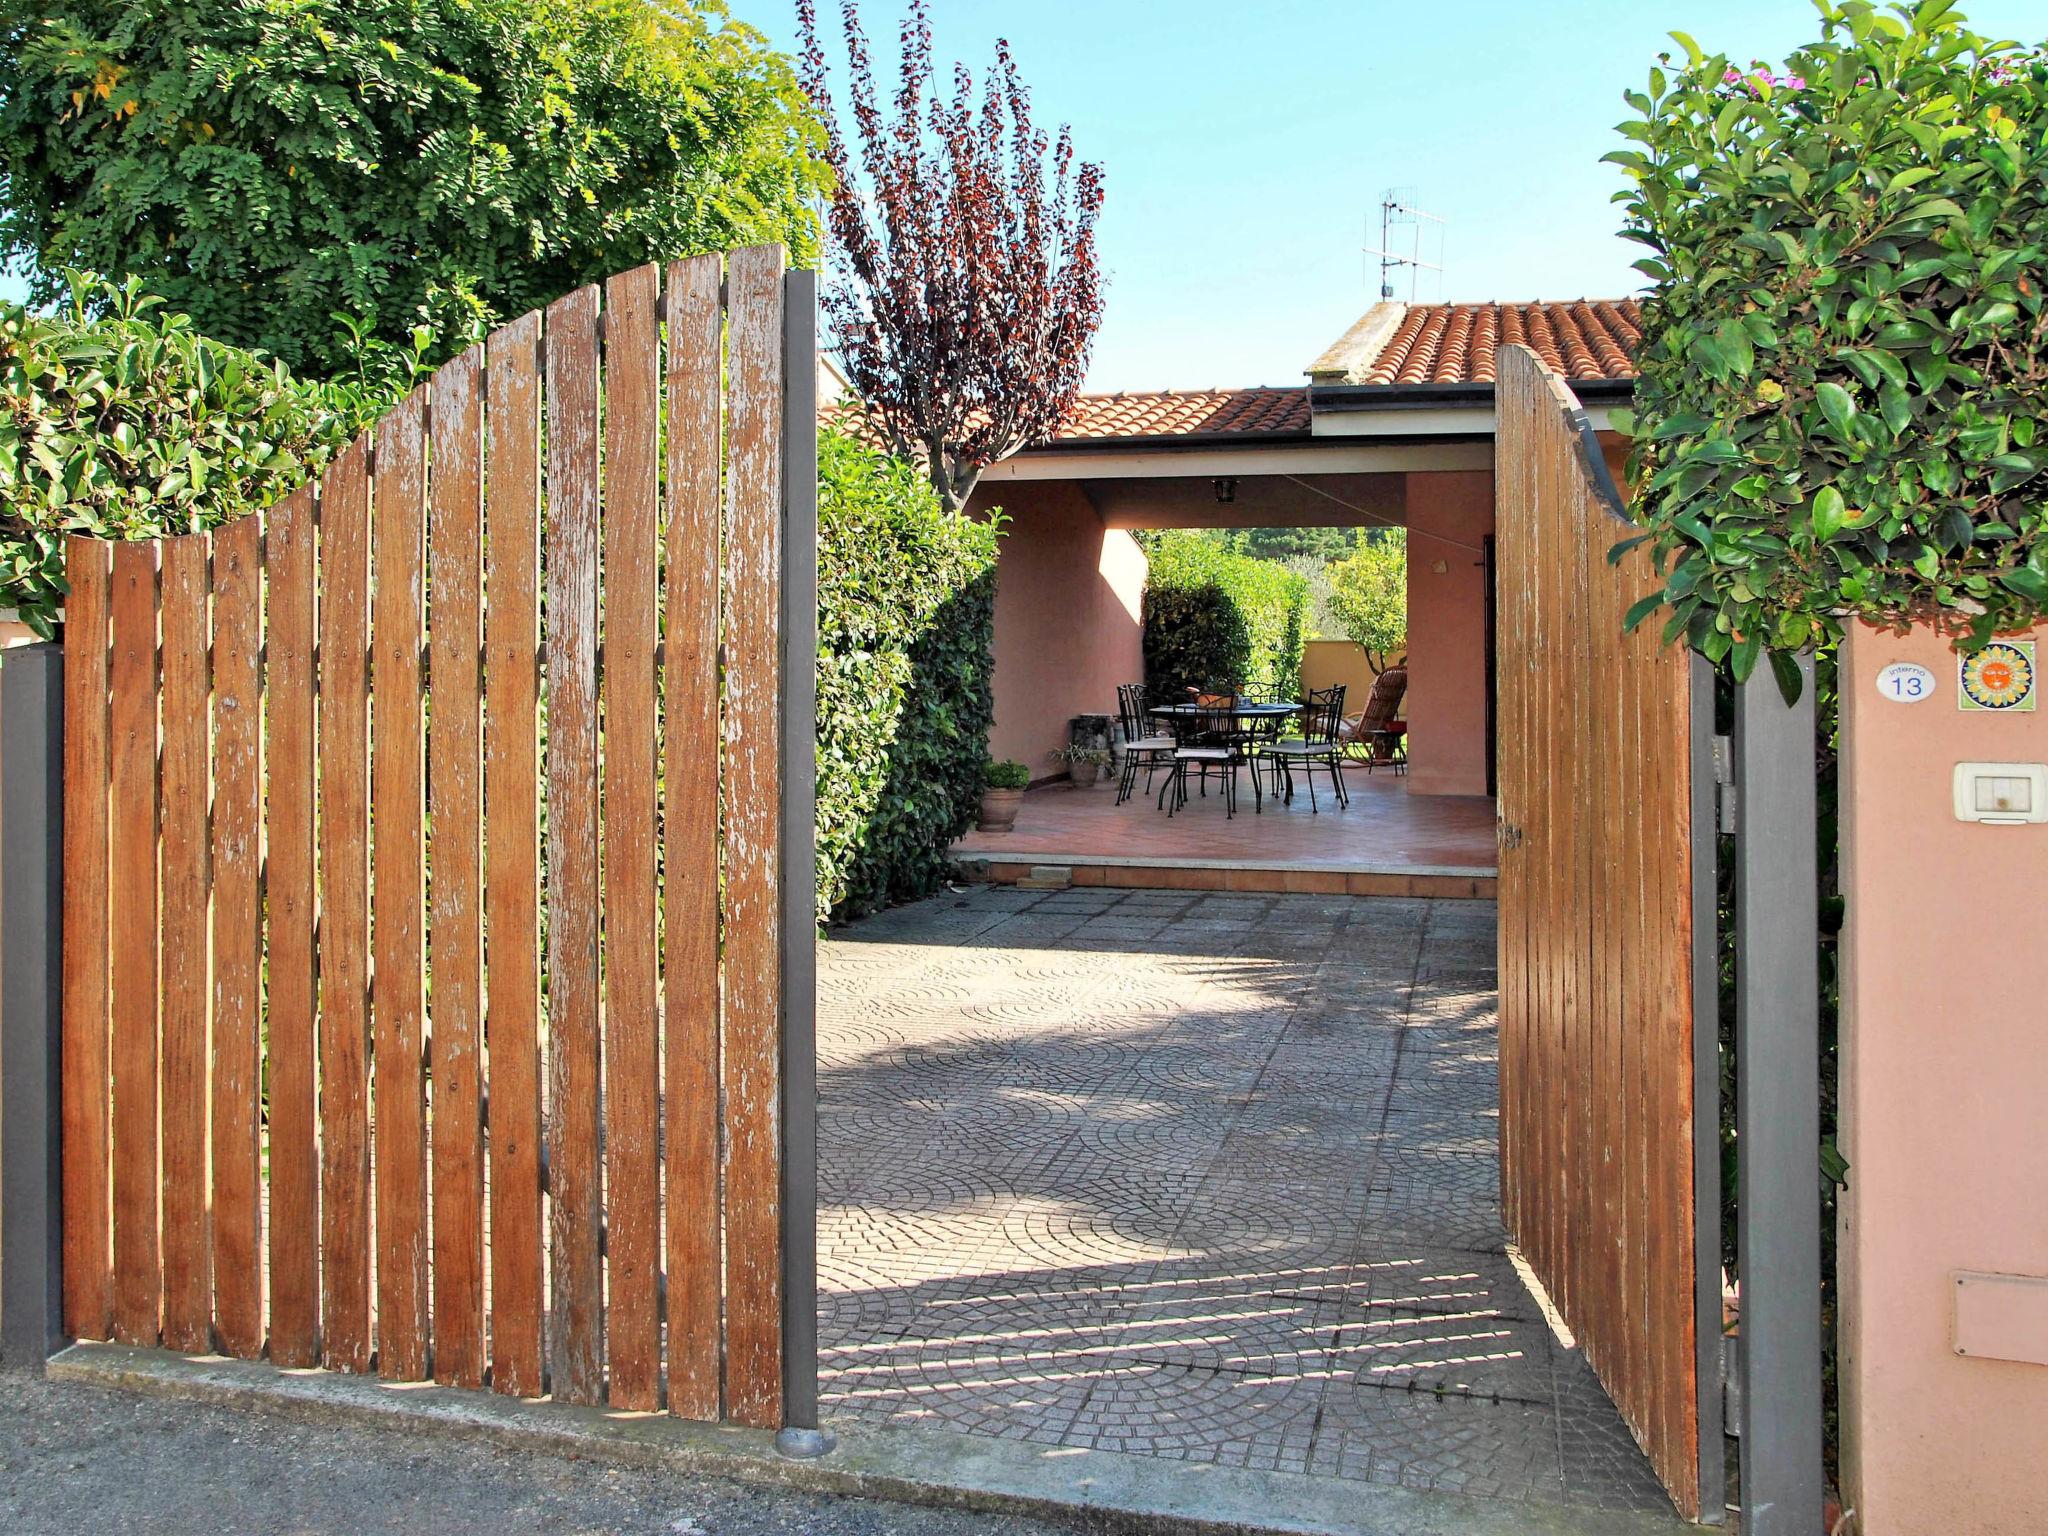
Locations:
column 999, row 809
column 1084, row 775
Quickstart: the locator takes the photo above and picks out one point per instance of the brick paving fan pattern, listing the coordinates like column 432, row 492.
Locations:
column 1206, row 1176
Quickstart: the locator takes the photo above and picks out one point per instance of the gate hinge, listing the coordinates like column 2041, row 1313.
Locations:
column 1724, row 786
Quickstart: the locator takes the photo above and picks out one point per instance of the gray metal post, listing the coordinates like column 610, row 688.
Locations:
column 799, row 870
column 1706, row 1097
column 31, row 993
column 1778, row 1107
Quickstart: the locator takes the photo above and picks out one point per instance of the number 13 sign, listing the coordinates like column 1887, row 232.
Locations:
column 1905, row 682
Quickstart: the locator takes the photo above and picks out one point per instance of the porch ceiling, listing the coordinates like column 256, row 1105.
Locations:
column 1256, row 501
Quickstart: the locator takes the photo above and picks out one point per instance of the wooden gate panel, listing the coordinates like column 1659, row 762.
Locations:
column 1596, row 926
column 292, row 990
column 305, row 899
column 398, row 872
column 455, row 924
column 187, row 1252
column 690, row 688
column 512, row 857
column 237, row 852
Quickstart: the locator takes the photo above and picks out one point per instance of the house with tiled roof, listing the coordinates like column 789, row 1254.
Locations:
column 1393, row 427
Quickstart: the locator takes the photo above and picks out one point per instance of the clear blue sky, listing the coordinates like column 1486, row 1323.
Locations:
column 1248, row 145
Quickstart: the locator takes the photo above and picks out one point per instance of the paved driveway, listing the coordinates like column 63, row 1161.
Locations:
column 1193, row 1175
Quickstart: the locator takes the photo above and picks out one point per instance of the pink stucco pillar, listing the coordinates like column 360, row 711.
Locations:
column 1449, row 516
column 1944, row 1107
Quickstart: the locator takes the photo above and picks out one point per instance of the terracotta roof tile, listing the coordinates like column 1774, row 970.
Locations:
column 1455, row 343
column 1183, row 412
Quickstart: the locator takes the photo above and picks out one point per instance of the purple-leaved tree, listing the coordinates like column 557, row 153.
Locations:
column 965, row 291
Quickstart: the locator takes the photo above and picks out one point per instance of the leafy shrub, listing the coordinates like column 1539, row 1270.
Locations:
column 300, row 174
column 1370, row 597
column 1215, row 618
column 906, row 617
column 134, row 425
column 1008, row 774
column 1840, row 409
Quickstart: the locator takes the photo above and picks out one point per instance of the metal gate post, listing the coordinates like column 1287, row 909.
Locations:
column 1778, row 1106
column 31, row 992
column 1706, row 1097
column 801, row 1435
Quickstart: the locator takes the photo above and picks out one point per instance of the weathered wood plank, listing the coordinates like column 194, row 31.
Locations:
column 290, row 906
column 1596, row 983
column 690, row 840
column 455, row 777
column 512, row 870
column 344, row 907
column 237, row 851
column 187, row 1253
column 753, row 808
column 398, row 805
column 576, row 1345
column 632, row 1051
column 138, row 1269
column 88, row 1185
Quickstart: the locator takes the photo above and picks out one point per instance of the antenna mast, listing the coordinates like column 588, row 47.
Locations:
column 1398, row 212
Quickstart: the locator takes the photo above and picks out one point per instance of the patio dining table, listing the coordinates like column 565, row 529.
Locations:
column 1237, row 719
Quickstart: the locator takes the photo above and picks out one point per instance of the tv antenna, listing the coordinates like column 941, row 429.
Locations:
column 1408, row 237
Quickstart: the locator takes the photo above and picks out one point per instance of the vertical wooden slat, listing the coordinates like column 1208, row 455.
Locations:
column 188, row 1280
column 690, row 839
column 632, row 1060
column 289, row 903
column 344, row 946
column 237, row 935
column 398, row 805
column 456, row 934
column 574, row 1181
column 753, row 926
column 512, row 870
column 88, row 1198
column 138, row 1274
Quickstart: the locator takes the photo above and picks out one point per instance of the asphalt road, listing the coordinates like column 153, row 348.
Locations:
column 76, row 1458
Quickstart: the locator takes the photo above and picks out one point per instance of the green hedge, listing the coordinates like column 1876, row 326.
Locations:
column 134, row 425
column 1213, row 618
column 906, row 616
column 1840, row 411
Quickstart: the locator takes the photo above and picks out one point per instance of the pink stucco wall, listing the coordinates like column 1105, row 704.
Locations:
column 1068, row 594
column 1449, row 514
column 1944, row 1090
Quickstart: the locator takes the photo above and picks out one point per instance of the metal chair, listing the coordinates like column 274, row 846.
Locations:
column 1205, row 741
column 1318, row 747
column 1143, row 747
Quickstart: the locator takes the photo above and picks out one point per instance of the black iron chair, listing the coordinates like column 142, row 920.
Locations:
column 1318, row 746
column 1143, row 747
column 1205, row 741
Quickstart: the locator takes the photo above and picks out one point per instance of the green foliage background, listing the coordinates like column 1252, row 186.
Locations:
column 1369, row 597
column 134, row 425
column 906, row 619
column 1214, row 618
column 1841, row 409
column 299, row 175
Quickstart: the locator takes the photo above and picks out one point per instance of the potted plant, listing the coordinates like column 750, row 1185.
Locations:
column 1003, row 795
column 1084, row 765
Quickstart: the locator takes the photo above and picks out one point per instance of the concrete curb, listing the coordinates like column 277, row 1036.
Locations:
column 1094, row 1490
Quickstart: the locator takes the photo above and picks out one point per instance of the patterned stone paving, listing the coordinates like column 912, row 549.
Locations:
column 1198, row 1175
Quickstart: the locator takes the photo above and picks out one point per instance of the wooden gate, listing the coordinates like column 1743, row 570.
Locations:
column 1602, row 1173
column 438, row 890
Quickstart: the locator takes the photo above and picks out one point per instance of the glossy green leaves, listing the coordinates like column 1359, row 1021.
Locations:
column 1842, row 407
